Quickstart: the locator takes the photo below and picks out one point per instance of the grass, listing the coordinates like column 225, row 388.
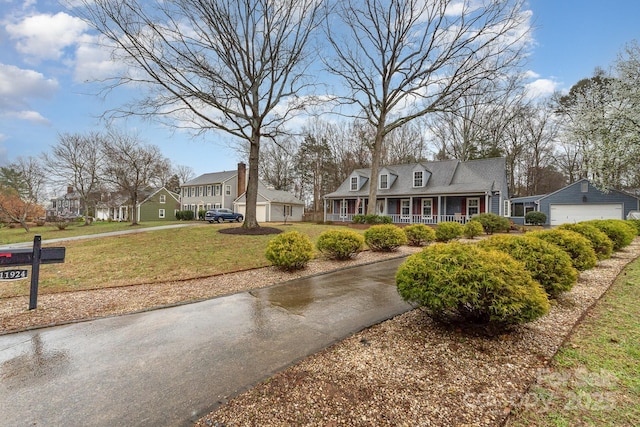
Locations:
column 594, row 380
column 19, row 235
column 152, row 257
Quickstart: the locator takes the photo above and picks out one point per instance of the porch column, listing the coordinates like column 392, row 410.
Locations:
column 411, row 210
column 324, row 210
column 486, row 203
column 439, row 209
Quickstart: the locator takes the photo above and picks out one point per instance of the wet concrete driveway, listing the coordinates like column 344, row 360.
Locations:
column 171, row 366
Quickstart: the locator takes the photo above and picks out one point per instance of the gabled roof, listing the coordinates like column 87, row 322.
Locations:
column 212, row 178
column 171, row 193
column 273, row 196
column 447, row 177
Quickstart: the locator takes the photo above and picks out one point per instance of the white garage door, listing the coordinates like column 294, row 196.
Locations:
column 261, row 212
column 561, row 214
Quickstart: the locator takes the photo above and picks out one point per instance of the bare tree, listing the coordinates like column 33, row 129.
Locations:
column 77, row 161
column 184, row 173
column 277, row 162
column 403, row 59
column 131, row 166
column 237, row 66
column 21, row 188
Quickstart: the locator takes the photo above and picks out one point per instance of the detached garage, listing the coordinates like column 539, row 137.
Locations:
column 580, row 201
column 273, row 205
column 561, row 214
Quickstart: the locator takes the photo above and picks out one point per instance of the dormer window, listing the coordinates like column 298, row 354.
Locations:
column 418, row 179
column 354, row 183
column 384, row 181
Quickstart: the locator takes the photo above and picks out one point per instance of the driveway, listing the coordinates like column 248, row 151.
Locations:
column 171, row 366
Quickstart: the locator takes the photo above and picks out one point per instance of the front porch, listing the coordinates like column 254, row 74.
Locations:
column 411, row 219
column 411, row 210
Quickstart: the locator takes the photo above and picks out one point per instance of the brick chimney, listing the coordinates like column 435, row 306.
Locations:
column 242, row 178
column 69, row 189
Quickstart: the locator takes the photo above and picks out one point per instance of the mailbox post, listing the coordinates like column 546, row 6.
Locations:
column 33, row 257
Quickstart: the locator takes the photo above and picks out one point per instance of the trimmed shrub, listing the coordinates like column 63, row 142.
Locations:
column 358, row 219
column 289, row 251
column 419, row 234
column 472, row 229
column 377, row 219
column 448, row 230
column 578, row 247
column 600, row 242
column 619, row 231
column 547, row 263
column 384, row 238
column 340, row 244
column 460, row 281
column 201, row 214
column 492, row 223
column 184, row 215
column 535, row 218
column 636, row 224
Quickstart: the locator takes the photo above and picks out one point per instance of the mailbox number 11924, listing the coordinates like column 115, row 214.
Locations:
column 13, row 274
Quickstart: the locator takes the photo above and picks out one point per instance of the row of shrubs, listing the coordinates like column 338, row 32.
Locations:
column 503, row 280
column 506, row 279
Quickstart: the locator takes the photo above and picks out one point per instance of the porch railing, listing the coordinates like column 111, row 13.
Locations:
column 410, row 219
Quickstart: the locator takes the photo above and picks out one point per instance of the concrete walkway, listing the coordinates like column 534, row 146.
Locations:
column 94, row 236
column 169, row 367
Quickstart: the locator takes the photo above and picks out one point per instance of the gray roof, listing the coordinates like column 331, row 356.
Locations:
column 212, row 178
column 447, row 177
column 273, row 196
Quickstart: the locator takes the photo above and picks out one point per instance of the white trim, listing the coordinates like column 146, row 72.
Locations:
column 469, row 199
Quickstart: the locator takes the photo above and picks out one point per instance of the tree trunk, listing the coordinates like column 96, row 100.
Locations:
column 375, row 168
column 251, row 197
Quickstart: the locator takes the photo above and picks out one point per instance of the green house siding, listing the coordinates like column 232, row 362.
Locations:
column 150, row 209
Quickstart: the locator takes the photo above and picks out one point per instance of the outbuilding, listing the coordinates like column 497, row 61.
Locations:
column 580, row 201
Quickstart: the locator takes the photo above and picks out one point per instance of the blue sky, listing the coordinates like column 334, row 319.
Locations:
column 44, row 62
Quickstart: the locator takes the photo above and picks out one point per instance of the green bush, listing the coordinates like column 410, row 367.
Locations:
column 492, row 223
column 472, row 229
column 619, row 231
column 184, row 215
column 384, row 237
column 419, row 234
column 583, row 257
column 636, row 224
column 201, row 214
column 448, row 230
column 340, row 244
column 358, row 219
column 547, row 263
column 377, row 219
column 535, row 218
column 600, row 242
column 460, row 281
column 289, row 251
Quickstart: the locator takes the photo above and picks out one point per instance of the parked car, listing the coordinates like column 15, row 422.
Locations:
column 221, row 215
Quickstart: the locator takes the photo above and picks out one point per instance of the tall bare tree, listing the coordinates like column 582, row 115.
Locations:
column 403, row 59
column 77, row 160
column 131, row 166
column 237, row 66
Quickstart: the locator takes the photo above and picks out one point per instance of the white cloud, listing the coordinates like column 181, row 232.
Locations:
column 541, row 88
column 29, row 116
column 44, row 36
column 17, row 86
column 94, row 62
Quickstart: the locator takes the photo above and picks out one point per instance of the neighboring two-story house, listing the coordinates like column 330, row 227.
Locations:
column 425, row 192
column 66, row 206
column 213, row 190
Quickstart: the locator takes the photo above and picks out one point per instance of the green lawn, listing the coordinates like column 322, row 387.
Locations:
column 594, row 379
column 154, row 256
